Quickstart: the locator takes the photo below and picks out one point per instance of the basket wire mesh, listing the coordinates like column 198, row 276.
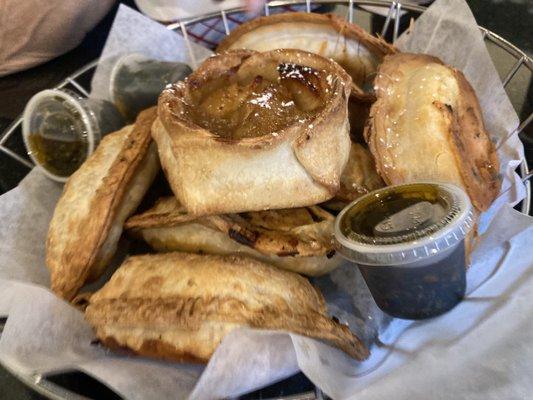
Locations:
column 53, row 391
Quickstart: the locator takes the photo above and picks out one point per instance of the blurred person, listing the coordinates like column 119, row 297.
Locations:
column 35, row 31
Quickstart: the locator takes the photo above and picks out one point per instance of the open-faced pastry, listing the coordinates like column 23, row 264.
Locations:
column 328, row 35
column 96, row 200
column 358, row 178
column 180, row 306
column 427, row 125
column 296, row 239
column 253, row 131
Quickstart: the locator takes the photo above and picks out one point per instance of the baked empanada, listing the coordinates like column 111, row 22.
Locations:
column 296, row 239
column 427, row 125
column 96, row 200
column 358, row 178
column 252, row 131
column 180, row 306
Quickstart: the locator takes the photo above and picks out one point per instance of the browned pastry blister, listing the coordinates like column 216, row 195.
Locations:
column 252, row 131
column 96, row 200
column 297, row 239
column 427, row 125
column 179, row 306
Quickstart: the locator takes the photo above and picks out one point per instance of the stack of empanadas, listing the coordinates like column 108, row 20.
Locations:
column 250, row 144
column 297, row 239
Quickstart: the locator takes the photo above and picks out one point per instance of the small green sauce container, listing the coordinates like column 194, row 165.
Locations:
column 408, row 242
column 61, row 129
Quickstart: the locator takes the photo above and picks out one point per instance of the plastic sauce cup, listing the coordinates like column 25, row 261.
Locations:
column 137, row 81
column 408, row 242
column 61, row 129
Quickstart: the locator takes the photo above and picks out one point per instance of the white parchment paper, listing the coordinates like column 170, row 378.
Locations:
column 482, row 349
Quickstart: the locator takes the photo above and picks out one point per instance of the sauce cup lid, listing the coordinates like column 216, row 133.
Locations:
column 37, row 114
column 403, row 224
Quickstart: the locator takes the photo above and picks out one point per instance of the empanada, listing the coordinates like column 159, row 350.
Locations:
column 427, row 125
column 180, row 306
column 253, row 131
column 296, row 239
column 358, row 178
column 96, row 200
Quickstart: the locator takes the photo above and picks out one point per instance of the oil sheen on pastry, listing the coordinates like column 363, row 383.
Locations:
column 96, row 200
column 253, row 131
column 179, row 306
column 328, row 35
column 296, row 239
column 427, row 125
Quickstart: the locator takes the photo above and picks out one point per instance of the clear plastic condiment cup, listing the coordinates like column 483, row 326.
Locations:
column 408, row 241
column 61, row 129
column 137, row 81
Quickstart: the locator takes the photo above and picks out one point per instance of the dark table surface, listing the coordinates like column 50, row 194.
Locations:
column 510, row 19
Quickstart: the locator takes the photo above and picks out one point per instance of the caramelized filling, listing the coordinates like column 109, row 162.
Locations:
column 234, row 109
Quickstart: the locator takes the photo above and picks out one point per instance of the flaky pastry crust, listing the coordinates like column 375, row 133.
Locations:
column 298, row 239
column 427, row 125
column 298, row 165
column 180, row 306
column 96, row 200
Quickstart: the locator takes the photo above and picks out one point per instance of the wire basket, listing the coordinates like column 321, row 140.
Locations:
column 79, row 81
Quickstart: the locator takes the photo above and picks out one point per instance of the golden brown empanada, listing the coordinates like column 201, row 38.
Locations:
column 96, row 200
column 180, row 306
column 358, row 178
column 253, row 131
column 427, row 125
column 296, row 239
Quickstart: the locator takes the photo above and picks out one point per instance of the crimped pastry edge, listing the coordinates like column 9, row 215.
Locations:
column 79, row 261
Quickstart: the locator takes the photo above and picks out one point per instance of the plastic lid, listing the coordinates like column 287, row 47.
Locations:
column 403, row 224
column 56, row 125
